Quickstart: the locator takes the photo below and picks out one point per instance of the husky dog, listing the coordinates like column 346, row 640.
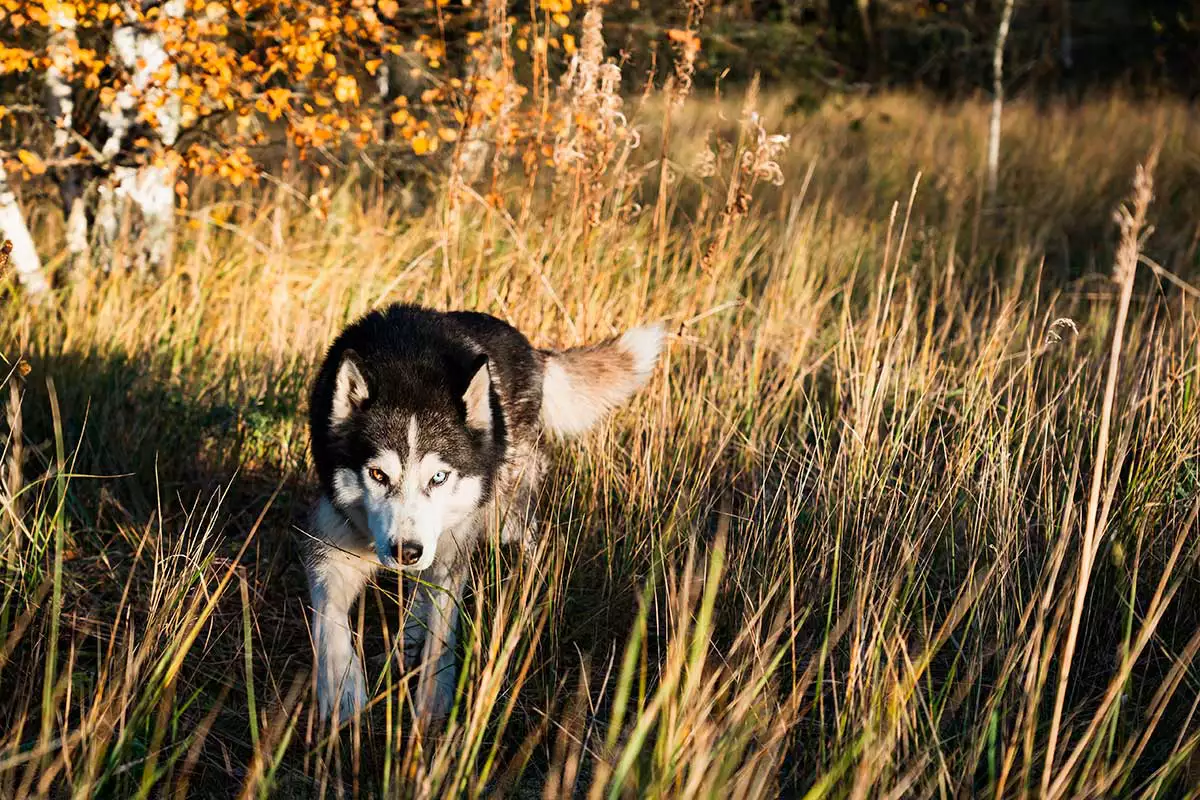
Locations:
column 427, row 433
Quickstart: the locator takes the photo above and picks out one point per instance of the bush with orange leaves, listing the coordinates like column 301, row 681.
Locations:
column 119, row 102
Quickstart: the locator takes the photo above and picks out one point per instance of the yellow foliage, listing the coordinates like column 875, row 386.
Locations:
column 685, row 38
column 32, row 162
column 301, row 63
column 274, row 103
column 422, row 144
column 15, row 59
column 346, row 90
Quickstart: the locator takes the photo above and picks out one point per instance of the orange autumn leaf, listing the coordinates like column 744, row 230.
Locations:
column 32, row 162
column 687, row 39
column 346, row 89
column 422, row 144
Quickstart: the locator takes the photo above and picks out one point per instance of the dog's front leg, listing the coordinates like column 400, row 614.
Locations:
column 416, row 625
column 335, row 579
column 438, row 607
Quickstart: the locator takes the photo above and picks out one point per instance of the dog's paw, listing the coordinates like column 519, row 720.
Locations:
column 344, row 695
column 439, row 702
column 436, row 690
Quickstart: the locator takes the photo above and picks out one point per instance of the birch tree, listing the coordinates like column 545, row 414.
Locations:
column 123, row 103
column 24, row 256
column 993, row 151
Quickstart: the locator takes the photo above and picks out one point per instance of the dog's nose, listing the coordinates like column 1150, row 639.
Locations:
column 410, row 553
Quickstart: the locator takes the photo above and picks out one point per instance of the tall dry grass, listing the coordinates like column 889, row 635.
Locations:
column 910, row 510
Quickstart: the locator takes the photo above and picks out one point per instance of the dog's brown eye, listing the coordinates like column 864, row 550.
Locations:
column 378, row 475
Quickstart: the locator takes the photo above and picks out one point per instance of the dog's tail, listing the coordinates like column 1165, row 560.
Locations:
column 583, row 384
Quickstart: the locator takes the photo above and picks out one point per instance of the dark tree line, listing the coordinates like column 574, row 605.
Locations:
column 1055, row 46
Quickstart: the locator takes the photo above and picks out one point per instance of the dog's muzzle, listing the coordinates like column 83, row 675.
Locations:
column 408, row 553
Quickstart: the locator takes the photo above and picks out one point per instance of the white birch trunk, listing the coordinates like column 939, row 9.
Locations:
column 59, row 101
column 105, row 223
column 77, row 235
column 151, row 188
column 119, row 116
column 142, row 54
column 162, row 98
column 154, row 193
column 58, row 91
column 24, row 256
column 993, row 154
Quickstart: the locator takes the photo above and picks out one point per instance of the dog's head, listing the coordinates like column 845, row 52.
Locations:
column 413, row 458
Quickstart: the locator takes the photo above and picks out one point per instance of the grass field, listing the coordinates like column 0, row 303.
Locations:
column 910, row 510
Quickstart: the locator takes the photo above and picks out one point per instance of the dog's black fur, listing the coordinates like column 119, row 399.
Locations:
column 419, row 361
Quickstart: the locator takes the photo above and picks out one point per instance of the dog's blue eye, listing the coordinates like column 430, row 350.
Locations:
column 438, row 478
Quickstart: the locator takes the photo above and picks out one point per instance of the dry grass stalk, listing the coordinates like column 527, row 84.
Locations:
column 1132, row 224
column 14, row 466
column 593, row 123
column 676, row 91
column 13, row 480
column 6, row 247
column 686, row 42
column 754, row 160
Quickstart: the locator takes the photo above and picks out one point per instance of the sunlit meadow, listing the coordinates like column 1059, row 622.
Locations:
column 909, row 510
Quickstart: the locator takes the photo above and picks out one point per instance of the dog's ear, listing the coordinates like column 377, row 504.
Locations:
column 349, row 388
column 478, row 397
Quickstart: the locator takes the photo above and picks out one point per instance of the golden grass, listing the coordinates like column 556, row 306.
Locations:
column 834, row 549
